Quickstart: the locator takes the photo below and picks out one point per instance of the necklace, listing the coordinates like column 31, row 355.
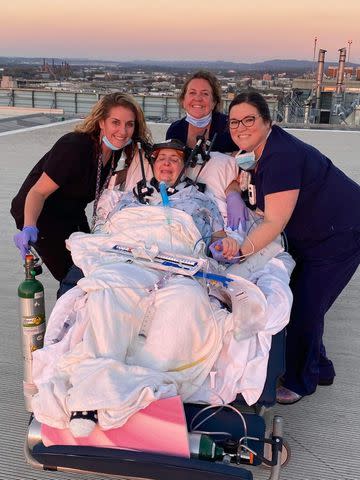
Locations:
column 98, row 190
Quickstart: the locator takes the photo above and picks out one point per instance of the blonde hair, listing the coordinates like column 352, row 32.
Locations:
column 101, row 110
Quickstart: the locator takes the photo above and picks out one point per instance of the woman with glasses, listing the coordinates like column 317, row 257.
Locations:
column 50, row 204
column 200, row 97
column 299, row 191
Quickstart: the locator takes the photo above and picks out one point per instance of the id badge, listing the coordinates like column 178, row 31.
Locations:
column 252, row 194
column 244, row 180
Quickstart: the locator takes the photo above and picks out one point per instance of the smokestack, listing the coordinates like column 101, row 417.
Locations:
column 319, row 76
column 341, row 71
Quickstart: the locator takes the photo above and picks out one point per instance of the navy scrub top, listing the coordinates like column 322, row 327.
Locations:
column 219, row 124
column 328, row 201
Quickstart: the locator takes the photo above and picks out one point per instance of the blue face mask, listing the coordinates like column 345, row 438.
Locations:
column 246, row 161
column 111, row 146
column 199, row 122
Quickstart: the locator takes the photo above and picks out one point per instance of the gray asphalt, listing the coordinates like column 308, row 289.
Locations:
column 323, row 429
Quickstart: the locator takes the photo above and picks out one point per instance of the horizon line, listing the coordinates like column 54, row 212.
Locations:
column 89, row 59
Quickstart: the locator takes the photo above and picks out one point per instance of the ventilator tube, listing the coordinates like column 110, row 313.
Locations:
column 165, row 201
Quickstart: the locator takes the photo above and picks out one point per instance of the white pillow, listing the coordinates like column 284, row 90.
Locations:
column 217, row 175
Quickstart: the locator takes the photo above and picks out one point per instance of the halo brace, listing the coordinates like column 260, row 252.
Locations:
column 202, row 148
column 142, row 189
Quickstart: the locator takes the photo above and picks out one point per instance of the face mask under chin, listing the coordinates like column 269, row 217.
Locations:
column 107, row 142
column 246, row 161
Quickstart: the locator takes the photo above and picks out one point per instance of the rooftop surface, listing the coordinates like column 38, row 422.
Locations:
column 323, row 430
column 14, row 118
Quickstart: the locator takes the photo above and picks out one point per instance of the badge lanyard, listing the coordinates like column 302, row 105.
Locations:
column 98, row 190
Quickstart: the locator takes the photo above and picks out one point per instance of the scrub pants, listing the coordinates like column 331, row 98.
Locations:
column 317, row 280
column 52, row 250
column 51, row 245
column 70, row 280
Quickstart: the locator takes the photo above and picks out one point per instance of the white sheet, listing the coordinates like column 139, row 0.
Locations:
column 181, row 346
column 101, row 363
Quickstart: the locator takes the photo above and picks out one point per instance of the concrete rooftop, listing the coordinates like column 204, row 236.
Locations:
column 323, row 429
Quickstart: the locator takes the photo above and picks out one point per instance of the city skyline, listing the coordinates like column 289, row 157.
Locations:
column 204, row 30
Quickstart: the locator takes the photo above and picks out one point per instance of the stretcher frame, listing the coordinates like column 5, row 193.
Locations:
column 153, row 466
column 265, row 432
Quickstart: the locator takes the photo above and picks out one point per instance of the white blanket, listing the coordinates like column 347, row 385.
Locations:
column 99, row 360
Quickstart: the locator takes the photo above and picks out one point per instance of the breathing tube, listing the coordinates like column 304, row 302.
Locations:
column 165, row 201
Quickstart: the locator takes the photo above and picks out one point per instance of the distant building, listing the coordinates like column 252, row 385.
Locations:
column 8, row 82
column 332, row 71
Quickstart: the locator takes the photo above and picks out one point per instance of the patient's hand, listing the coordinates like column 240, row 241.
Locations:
column 230, row 247
column 225, row 250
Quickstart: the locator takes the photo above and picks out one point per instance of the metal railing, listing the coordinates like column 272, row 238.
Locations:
column 161, row 109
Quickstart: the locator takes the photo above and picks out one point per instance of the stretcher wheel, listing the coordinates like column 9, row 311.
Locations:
column 285, row 454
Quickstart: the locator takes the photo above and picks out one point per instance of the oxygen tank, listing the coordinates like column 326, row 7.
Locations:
column 32, row 312
column 203, row 447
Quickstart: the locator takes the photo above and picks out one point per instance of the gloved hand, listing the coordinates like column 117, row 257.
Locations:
column 216, row 249
column 22, row 239
column 237, row 211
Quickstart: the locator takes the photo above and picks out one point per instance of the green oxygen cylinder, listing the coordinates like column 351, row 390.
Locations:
column 203, row 447
column 32, row 313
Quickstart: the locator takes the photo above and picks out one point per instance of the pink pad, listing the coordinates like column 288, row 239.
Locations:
column 159, row 428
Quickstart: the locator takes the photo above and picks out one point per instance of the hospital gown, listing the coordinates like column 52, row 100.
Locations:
column 200, row 206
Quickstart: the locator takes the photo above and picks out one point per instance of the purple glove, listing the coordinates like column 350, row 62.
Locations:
column 237, row 211
column 216, row 249
column 22, row 239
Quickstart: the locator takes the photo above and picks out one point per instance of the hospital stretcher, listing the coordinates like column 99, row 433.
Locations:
column 261, row 444
column 136, row 464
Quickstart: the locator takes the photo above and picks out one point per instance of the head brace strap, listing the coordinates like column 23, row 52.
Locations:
column 142, row 189
column 200, row 139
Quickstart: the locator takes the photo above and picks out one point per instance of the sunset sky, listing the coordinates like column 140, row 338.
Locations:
column 235, row 30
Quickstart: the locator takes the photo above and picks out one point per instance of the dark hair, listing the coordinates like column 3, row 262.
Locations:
column 213, row 82
column 256, row 100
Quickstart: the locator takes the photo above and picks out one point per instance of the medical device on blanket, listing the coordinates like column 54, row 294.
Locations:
column 181, row 264
column 178, row 264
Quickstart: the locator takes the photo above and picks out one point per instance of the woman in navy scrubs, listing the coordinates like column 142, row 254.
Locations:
column 300, row 191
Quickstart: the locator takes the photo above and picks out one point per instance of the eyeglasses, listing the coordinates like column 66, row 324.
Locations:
column 246, row 121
